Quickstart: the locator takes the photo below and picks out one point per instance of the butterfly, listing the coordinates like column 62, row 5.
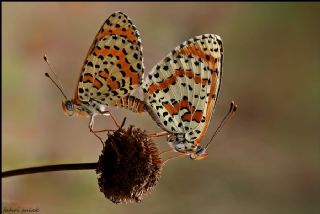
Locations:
column 112, row 69
column 181, row 91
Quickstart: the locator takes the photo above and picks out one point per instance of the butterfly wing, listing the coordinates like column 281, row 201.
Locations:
column 114, row 64
column 182, row 89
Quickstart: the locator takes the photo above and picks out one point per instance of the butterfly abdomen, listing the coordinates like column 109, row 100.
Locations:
column 131, row 103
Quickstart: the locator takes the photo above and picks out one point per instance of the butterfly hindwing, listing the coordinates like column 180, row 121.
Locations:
column 114, row 64
column 182, row 89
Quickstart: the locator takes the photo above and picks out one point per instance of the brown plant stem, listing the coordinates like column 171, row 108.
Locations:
column 49, row 168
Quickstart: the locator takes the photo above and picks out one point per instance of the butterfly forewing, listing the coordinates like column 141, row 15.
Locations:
column 183, row 88
column 114, row 64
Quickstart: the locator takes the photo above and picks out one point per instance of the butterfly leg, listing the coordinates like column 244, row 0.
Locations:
column 91, row 129
column 104, row 130
column 166, row 151
column 111, row 130
column 105, row 113
column 159, row 134
column 175, row 157
column 108, row 113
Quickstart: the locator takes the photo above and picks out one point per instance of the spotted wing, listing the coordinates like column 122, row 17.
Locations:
column 114, row 64
column 182, row 89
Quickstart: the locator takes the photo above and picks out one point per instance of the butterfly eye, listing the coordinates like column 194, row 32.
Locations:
column 69, row 105
column 200, row 150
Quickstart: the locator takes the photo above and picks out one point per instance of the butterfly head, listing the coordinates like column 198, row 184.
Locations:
column 72, row 108
column 199, row 154
column 181, row 144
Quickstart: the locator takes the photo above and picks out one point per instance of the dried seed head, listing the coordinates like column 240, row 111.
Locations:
column 129, row 166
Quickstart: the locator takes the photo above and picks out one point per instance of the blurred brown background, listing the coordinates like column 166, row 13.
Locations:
column 266, row 160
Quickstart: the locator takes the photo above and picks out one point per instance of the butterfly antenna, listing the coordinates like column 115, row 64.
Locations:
column 230, row 114
column 56, row 76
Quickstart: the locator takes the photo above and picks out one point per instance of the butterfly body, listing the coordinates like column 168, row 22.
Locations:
column 112, row 70
column 181, row 92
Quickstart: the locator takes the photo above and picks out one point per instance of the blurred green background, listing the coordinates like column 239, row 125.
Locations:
column 266, row 160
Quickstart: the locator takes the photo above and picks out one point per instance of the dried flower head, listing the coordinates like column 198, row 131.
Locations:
column 129, row 166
